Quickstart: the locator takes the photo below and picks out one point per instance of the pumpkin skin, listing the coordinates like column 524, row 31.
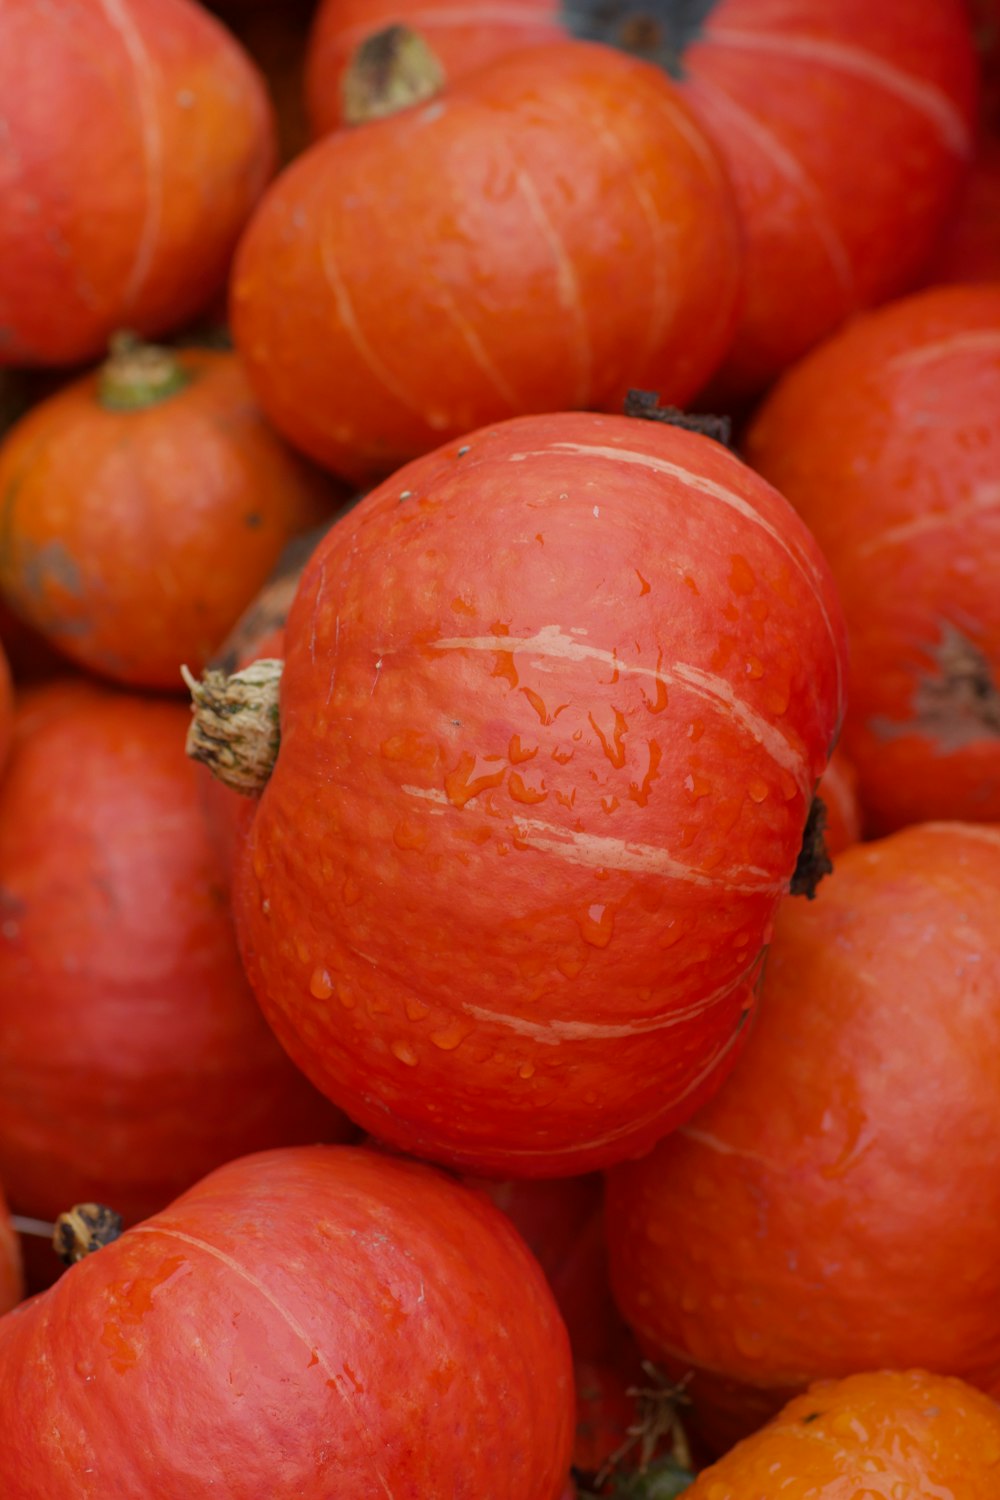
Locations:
column 886, row 441
column 555, row 700
column 806, row 100
column 11, row 1285
column 132, row 1056
column 139, row 138
column 807, row 1223
column 115, row 521
column 327, row 1292
column 507, row 290
column 883, row 1434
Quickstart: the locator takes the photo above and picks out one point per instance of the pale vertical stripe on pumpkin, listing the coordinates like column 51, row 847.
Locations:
column 703, row 486
column 152, row 143
column 477, row 349
column 213, row 1251
column 634, row 1127
column 974, row 342
column 985, row 499
column 550, row 642
column 790, row 169
column 567, row 286
column 659, row 307
column 552, row 1032
column 354, row 331
column 604, row 852
column 924, row 98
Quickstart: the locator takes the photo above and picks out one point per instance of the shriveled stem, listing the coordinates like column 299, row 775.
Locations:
column 136, row 375
column 236, row 727
column 390, row 71
column 84, row 1229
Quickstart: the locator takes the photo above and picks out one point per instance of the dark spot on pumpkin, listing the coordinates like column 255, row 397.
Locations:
column 463, row 450
column 254, row 520
column 813, row 862
column 812, row 1416
column 658, row 31
column 646, row 406
column 956, row 704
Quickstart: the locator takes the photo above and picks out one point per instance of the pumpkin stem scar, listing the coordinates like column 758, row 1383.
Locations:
column 136, row 375
column 390, row 71
column 236, row 730
column 83, row 1229
column 813, row 862
column 955, row 706
column 645, row 405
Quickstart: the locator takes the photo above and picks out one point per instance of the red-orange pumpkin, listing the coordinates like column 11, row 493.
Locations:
column 137, row 137
column 886, row 440
column 11, row 1285
column 846, row 126
column 837, row 1206
column 554, row 704
column 132, row 1056
column 302, row 1324
column 541, row 236
column 142, row 507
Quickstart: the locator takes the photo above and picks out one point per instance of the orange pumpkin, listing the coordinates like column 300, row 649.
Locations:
column 884, row 1436
column 886, row 441
column 554, row 704
column 132, row 1055
column 142, row 508
column 541, row 236
column 846, row 128
column 137, row 138
column 836, row 1207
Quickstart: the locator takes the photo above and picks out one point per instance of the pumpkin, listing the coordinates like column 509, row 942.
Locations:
column 11, row 1286
column 132, row 1055
column 846, row 128
column 304, row 1323
column 143, row 507
column 886, row 441
column 488, row 254
column 890, row 1434
column 138, row 136
column 836, row 1207
column 554, row 703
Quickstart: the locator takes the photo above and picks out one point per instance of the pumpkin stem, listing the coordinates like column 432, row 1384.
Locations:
column 646, row 405
column 813, row 862
column 84, row 1229
column 390, row 71
column 136, row 375
column 236, row 730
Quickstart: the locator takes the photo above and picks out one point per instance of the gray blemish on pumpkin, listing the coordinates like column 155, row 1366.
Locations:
column 956, row 705
column 52, row 563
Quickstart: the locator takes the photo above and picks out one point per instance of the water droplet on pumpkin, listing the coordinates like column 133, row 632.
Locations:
column 749, row 1341
column 757, row 789
column 597, row 927
column 612, row 735
column 347, row 998
column 697, row 787
column 450, row 1037
column 410, row 836
column 754, row 668
column 522, row 792
column 526, row 1070
column 518, row 753
column 404, row 1052
column 416, row 1010
column 471, row 776
column 321, row 985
